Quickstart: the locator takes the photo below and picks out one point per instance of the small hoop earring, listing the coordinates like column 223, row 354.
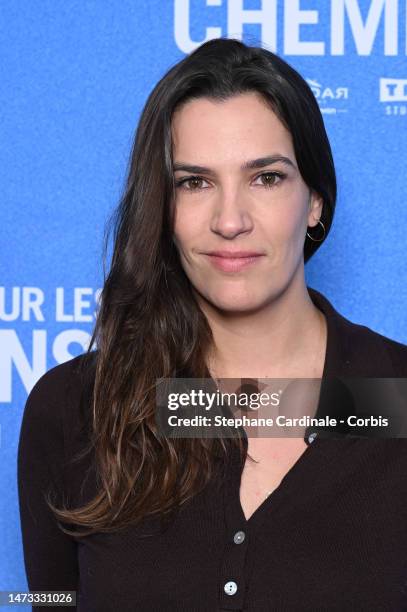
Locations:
column 318, row 239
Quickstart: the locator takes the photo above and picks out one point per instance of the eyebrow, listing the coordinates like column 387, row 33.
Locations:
column 251, row 164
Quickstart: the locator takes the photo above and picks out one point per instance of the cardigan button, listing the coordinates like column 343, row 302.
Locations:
column 239, row 537
column 230, row 588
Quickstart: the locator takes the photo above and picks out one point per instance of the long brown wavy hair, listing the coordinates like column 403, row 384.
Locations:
column 149, row 325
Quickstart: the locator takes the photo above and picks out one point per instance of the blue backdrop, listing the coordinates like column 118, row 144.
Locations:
column 74, row 78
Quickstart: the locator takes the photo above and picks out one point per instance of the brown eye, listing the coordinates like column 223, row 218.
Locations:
column 194, row 182
column 271, row 179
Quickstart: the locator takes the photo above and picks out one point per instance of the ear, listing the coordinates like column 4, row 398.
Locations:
column 314, row 209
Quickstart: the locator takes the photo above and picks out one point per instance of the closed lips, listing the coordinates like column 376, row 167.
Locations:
column 234, row 255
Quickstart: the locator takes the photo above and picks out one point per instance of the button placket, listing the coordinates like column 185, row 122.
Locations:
column 233, row 580
column 232, row 576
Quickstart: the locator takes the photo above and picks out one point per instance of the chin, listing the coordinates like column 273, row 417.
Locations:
column 234, row 303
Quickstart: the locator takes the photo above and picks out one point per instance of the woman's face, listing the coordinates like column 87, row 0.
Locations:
column 262, row 208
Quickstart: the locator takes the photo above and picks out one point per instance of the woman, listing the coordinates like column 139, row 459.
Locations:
column 231, row 189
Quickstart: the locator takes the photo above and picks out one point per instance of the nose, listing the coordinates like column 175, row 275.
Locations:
column 230, row 215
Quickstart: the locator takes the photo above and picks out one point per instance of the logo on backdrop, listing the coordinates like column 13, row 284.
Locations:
column 393, row 92
column 330, row 99
column 24, row 352
column 302, row 31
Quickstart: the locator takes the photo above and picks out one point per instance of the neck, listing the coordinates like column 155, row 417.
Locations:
column 286, row 338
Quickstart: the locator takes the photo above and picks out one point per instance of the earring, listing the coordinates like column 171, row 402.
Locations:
column 318, row 239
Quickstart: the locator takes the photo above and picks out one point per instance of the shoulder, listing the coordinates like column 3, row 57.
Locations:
column 65, row 378
column 358, row 350
column 381, row 353
column 54, row 404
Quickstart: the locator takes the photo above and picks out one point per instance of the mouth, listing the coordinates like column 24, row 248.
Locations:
column 233, row 262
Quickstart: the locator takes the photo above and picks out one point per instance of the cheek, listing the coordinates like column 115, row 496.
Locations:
column 288, row 229
column 288, row 224
column 285, row 235
column 187, row 227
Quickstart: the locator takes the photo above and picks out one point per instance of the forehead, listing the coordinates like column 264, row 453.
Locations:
column 245, row 123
